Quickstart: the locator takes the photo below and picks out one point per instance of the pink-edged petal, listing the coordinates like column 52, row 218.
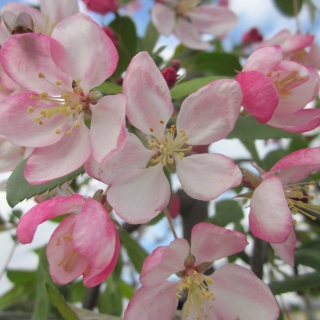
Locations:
column 65, row 262
column 163, row 262
column 260, row 96
column 156, row 302
column 189, row 36
column 149, row 105
column 270, row 217
column 264, row 59
column 207, row 176
column 94, row 236
column 35, row 14
column 210, row 242
column 277, row 39
column 296, row 42
column 17, row 124
column 313, row 57
column 210, row 114
column 93, row 280
column 139, row 195
column 163, row 18
column 91, row 45
column 213, row 19
column 297, row 122
column 241, row 295
column 59, row 159
column 132, row 156
column 297, row 165
column 285, row 250
column 108, row 126
column 58, row 10
column 45, row 211
column 31, row 53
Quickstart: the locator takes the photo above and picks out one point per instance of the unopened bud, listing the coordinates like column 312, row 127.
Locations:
column 175, row 207
column 175, row 64
column 170, row 75
column 251, row 36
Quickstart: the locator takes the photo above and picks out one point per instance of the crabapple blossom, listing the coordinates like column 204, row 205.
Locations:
column 139, row 188
column 106, row 6
column 231, row 292
column 188, row 18
column 277, row 195
column 51, row 116
column 85, row 243
column 276, row 91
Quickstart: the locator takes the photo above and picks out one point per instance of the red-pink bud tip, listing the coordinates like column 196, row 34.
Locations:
column 170, row 75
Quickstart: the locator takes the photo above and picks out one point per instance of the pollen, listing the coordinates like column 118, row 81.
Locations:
column 58, row 131
column 41, row 75
column 30, row 109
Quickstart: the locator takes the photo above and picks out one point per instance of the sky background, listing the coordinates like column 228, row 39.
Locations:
column 261, row 14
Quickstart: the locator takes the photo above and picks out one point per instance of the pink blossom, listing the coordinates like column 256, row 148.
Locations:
column 188, row 19
column 231, row 292
column 277, row 195
column 139, row 188
column 59, row 72
column 85, row 243
column 294, row 47
column 276, row 91
column 106, row 6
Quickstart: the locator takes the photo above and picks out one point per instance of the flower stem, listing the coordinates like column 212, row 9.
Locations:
column 167, row 214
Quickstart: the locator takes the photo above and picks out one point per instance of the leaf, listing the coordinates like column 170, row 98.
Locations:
column 150, row 39
column 108, row 87
column 11, row 297
column 18, row 189
column 183, row 89
column 60, row 303
column 308, row 257
column 272, row 157
column 127, row 42
column 135, row 252
column 297, row 283
column 21, row 277
column 249, row 127
column 84, row 314
column 126, row 290
column 286, row 7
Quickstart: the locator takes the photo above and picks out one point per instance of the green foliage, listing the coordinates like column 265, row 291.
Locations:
column 127, row 42
column 108, row 87
column 150, row 39
column 18, row 189
column 309, row 257
column 286, row 7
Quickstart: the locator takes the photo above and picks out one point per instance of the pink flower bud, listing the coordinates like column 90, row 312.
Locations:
column 251, row 36
column 175, row 207
column 170, row 75
column 102, row 6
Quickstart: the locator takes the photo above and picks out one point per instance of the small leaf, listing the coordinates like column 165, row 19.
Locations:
column 20, row 277
column 308, row 257
column 150, row 39
column 108, row 87
column 135, row 252
column 18, row 189
column 287, row 6
column 60, row 303
column 297, row 283
column 182, row 90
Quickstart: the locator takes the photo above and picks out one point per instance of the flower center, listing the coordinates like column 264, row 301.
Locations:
column 186, row 6
column 199, row 295
column 285, row 82
column 298, row 200
column 69, row 103
column 172, row 145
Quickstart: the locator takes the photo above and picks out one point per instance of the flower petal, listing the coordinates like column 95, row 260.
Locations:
column 210, row 242
column 83, row 64
column 59, row 159
column 65, row 262
column 149, row 105
column 46, row 211
column 260, row 96
column 240, row 294
column 31, row 52
column 210, row 114
column 140, row 194
column 270, row 217
column 285, row 250
column 207, row 176
column 108, row 121
column 163, row 262
column 132, row 156
column 163, row 18
column 156, row 302
column 189, row 36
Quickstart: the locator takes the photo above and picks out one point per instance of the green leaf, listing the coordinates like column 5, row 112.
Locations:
column 21, row 277
column 250, row 128
column 287, row 7
column 108, row 87
column 150, row 39
column 218, row 63
column 18, row 189
column 84, row 314
column 297, row 283
column 308, row 257
column 135, row 252
column 183, row 89
column 12, row 296
column 78, row 291
column 272, row 157
column 60, row 303
column 126, row 290
column 127, row 42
